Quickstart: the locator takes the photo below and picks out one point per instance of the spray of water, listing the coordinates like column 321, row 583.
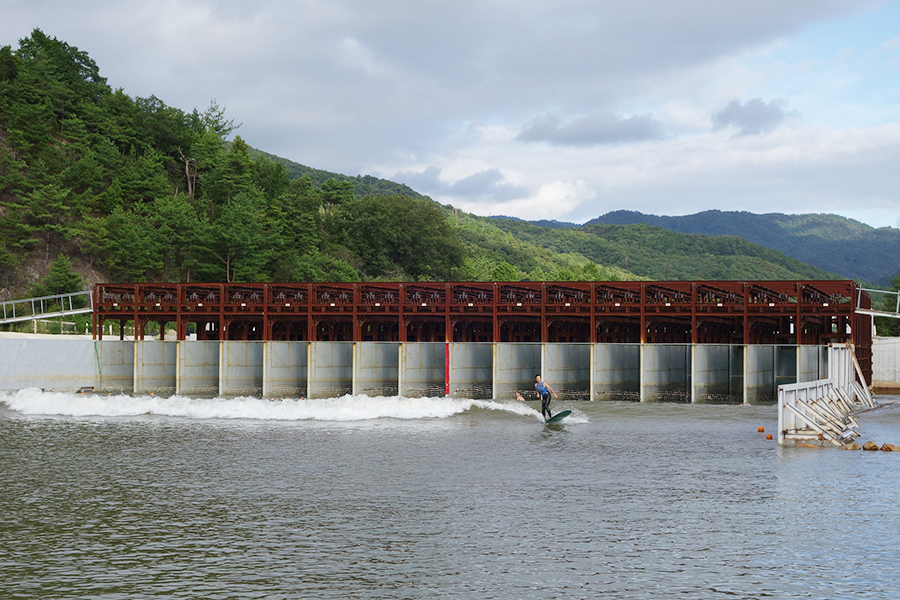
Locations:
column 33, row 401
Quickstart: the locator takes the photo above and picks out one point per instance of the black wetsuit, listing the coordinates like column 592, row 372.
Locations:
column 544, row 391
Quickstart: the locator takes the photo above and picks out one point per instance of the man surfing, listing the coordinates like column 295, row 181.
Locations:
column 544, row 392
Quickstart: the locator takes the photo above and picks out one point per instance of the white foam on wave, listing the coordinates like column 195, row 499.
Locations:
column 33, row 401
column 577, row 417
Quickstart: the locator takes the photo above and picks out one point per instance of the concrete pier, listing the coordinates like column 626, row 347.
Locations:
column 718, row 373
column 616, row 372
column 154, row 366
column 330, row 369
column 567, row 368
column 515, row 365
column 241, row 368
column 759, row 374
column 197, row 368
column 284, row 369
column 666, row 373
column 422, row 369
column 116, row 372
column 375, row 368
column 785, row 366
column 471, row 370
column 812, row 363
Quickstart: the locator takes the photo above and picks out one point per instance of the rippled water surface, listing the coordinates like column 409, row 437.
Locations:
column 115, row 497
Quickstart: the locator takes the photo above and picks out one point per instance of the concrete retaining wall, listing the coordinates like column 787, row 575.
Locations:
column 284, row 369
column 241, row 368
column 717, row 373
column 567, row 368
column 471, row 370
column 616, row 373
column 811, row 364
column 330, row 369
column 886, row 365
column 759, row 374
column 60, row 363
column 155, row 367
column 422, row 369
column 666, row 373
column 670, row 372
column 197, row 368
column 376, row 368
column 515, row 366
column 116, row 373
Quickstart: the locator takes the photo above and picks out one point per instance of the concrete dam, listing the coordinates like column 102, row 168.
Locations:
column 640, row 341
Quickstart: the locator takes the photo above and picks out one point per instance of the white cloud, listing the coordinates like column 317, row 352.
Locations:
column 564, row 109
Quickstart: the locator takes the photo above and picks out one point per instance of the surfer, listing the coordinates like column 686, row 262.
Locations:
column 544, row 392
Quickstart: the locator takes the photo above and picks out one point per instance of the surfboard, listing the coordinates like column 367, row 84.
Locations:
column 559, row 416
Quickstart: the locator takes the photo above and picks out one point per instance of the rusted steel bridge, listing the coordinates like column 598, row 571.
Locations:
column 727, row 312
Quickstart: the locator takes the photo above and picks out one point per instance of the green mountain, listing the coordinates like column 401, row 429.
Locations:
column 128, row 189
column 836, row 244
column 363, row 185
column 655, row 253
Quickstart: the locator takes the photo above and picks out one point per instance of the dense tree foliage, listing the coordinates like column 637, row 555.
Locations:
column 836, row 244
column 656, row 253
column 141, row 191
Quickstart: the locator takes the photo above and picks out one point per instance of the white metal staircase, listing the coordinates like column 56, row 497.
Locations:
column 45, row 307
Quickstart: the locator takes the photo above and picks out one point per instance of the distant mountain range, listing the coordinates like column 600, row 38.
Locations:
column 835, row 244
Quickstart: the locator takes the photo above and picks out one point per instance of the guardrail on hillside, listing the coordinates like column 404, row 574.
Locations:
column 44, row 307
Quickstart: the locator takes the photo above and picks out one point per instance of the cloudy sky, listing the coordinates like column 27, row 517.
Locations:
column 562, row 109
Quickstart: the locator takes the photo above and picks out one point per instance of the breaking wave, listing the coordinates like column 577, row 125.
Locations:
column 33, row 401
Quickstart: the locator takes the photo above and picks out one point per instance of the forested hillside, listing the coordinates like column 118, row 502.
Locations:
column 655, row 253
column 130, row 189
column 837, row 244
column 135, row 190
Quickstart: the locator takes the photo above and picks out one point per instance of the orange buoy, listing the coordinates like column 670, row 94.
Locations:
column 761, row 429
column 768, row 436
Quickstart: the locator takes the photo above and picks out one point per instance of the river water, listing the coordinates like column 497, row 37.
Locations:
column 114, row 497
